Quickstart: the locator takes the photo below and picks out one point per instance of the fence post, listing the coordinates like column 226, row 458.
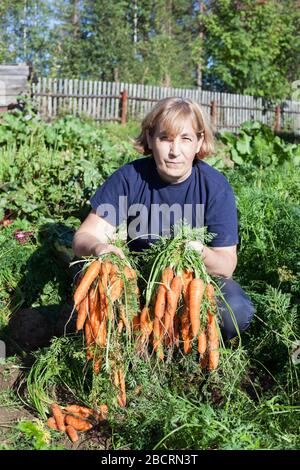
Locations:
column 277, row 125
column 123, row 107
column 213, row 114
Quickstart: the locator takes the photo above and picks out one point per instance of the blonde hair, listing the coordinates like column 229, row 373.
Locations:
column 170, row 114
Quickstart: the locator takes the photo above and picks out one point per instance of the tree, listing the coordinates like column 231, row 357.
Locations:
column 251, row 46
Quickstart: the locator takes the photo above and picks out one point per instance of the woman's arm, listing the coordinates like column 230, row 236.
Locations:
column 92, row 237
column 219, row 261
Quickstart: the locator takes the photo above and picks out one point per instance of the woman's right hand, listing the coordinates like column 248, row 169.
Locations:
column 103, row 248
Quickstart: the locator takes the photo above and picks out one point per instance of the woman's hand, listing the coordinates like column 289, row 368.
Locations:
column 103, row 248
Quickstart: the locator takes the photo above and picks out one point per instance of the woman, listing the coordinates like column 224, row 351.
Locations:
column 173, row 183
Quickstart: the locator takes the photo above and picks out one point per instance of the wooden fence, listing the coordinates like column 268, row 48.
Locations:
column 13, row 82
column 110, row 101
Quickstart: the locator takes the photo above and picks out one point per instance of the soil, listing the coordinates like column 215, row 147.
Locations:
column 10, row 378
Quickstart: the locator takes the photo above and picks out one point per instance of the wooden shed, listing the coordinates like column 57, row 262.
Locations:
column 14, row 81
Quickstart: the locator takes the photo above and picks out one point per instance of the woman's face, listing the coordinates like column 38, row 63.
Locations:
column 174, row 156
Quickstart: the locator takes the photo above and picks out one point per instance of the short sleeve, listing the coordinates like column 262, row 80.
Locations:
column 221, row 218
column 110, row 201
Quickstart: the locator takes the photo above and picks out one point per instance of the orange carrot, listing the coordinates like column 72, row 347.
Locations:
column 173, row 295
column 78, row 423
column 202, row 342
column 82, row 314
column 88, row 339
column 176, row 330
column 94, row 311
column 83, row 411
column 51, row 423
column 129, row 273
column 157, row 333
column 212, row 331
column 113, row 274
column 213, row 343
column 160, row 303
column 122, row 387
column 58, row 416
column 144, row 319
column 97, row 366
column 185, row 330
column 72, row 433
column 90, row 275
column 187, row 276
column 167, row 276
column 196, row 291
column 116, row 289
column 136, row 323
column 102, row 333
column 103, row 414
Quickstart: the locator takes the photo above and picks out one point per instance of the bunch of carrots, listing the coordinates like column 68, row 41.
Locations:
column 183, row 310
column 106, row 299
column 73, row 418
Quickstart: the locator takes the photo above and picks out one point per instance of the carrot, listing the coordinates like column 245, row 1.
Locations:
column 122, row 387
column 129, row 273
column 94, row 309
column 82, row 314
column 186, row 276
column 185, row 330
column 88, row 339
column 103, row 414
column 136, row 323
column 102, row 333
column 113, row 274
column 213, row 342
column 202, row 342
column 116, row 289
column 173, row 295
column 196, row 291
column 160, row 303
column 72, row 433
column 167, row 276
column 144, row 320
column 212, row 331
column 90, row 275
column 176, row 330
column 58, row 416
column 97, row 366
column 157, row 333
column 83, row 411
column 78, row 423
column 51, row 423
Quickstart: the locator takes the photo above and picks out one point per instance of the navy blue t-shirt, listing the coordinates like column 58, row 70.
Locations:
column 135, row 194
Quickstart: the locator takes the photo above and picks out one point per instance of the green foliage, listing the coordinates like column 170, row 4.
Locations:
column 256, row 145
column 245, row 43
column 52, row 170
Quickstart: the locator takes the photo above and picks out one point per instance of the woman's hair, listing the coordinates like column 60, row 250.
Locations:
column 170, row 114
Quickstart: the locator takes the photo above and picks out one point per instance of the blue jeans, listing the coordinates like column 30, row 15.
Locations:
column 240, row 305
